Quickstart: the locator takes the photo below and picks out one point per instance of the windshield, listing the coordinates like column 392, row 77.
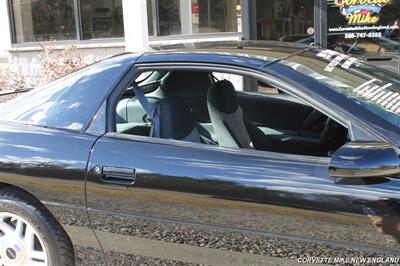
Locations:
column 376, row 89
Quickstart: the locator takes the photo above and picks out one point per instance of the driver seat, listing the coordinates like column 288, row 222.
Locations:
column 231, row 126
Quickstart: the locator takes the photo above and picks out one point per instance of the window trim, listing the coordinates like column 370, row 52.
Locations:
column 10, row 13
column 155, row 18
column 78, row 19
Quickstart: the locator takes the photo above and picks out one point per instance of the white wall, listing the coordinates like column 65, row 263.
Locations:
column 5, row 37
column 135, row 25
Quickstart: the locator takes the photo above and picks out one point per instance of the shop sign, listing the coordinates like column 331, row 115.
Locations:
column 362, row 18
column 195, row 13
column 195, row 8
column 361, row 12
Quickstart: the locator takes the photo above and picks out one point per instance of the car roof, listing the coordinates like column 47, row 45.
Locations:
column 265, row 50
column 247, row 45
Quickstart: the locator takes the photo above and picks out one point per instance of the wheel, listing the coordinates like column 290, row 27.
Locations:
column 29, row 234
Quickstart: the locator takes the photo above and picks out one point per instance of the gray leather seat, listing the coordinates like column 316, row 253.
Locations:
column 176, row 121
column 231, row 127
column 185, row 84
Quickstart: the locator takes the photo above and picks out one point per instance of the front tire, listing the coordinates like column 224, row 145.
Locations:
column 29, row 233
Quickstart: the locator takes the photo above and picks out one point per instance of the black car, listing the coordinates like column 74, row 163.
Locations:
column 248, row 153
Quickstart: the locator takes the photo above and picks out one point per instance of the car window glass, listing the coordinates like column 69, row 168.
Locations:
column 143, row 76
column 268, row 120
column 236, row 80
column 266, row 88
column 98, row 125
column 240, row 84
column 69, row 102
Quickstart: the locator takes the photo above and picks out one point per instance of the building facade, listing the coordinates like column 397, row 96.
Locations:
column 368, row 29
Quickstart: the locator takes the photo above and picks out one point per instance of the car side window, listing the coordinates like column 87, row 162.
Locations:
column 266, row 88
column 219, row 109
column 236, row 80
column 98, row 124
column 240, row 83
column 69, row 102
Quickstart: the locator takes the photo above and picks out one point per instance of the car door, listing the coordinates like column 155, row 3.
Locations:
column 165, row 200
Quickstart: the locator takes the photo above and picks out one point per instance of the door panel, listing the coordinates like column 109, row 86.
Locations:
column 191, row 200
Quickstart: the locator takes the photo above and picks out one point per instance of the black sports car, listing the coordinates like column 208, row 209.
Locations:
column 245, row 153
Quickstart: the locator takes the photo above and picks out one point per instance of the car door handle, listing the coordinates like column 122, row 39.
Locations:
column 118, row 175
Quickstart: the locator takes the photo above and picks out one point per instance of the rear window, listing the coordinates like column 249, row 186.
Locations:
column 69, row 102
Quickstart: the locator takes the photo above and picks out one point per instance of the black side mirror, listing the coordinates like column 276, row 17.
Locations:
column 365, row 159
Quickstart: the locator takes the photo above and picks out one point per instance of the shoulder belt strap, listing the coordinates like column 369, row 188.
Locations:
column 151, row 110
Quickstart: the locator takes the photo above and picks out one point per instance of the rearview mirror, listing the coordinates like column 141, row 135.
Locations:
column 365, row 159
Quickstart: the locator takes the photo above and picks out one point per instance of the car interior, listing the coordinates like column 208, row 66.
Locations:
column 214, row 109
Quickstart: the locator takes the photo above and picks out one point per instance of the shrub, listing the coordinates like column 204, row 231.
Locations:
column 56, row 63
column 9, row 80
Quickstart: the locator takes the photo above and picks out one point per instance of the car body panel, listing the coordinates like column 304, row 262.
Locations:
column 196, row 188
column 51, row 165
column 40, row 154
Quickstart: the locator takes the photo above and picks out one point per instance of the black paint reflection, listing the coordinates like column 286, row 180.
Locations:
column 264, row 193
column 51, row 165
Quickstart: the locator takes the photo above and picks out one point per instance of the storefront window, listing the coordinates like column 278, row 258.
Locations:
column 48, row 20
column 150, row 17
column 285, row 20
column 194, row 16
column 369, row 31
column 217, row 16
column 43, row 20
column 102, row 19
column 169, row 17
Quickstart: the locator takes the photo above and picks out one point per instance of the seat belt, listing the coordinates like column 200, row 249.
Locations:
column 151, row 110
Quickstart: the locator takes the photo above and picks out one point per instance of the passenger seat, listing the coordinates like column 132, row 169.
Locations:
column 231, row 126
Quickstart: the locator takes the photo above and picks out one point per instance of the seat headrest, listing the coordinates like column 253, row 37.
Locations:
column 186, row 84
column 222, row 96
column 176, row 121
